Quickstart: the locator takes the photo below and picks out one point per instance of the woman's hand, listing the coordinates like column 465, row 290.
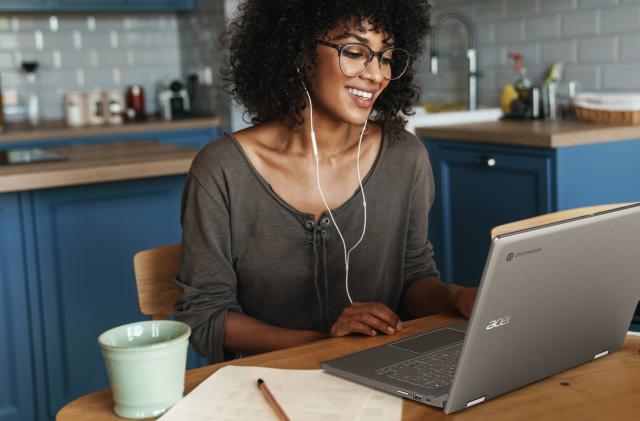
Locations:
column 368, row 319
column 463, row 299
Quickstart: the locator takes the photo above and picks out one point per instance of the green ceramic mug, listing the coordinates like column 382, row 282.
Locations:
column 146, row 365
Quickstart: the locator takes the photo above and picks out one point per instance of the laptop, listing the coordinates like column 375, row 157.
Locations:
column 550, row 298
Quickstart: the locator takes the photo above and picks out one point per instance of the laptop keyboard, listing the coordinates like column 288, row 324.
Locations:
column 433, row 372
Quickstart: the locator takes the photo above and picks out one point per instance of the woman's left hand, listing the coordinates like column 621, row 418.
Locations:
column 463, row 299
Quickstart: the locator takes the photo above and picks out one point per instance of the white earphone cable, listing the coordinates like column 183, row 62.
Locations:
column 364, row 201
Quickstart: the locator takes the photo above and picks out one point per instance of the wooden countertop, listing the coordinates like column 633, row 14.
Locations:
column 540, row 134
column 57, row 130
column 87, row 164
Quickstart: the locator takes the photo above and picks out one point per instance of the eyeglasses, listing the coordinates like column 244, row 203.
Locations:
column 355, row 57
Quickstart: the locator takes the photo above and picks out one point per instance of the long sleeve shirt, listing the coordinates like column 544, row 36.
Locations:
column 245, row 249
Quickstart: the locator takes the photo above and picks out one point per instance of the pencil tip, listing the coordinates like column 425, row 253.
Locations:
column 260, row 381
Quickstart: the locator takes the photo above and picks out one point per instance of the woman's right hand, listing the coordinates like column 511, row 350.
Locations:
column 368, row 319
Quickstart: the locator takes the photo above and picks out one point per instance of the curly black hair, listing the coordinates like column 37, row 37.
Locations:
column 268, row 38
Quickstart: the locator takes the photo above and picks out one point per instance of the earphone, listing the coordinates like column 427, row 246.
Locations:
column 326, row 205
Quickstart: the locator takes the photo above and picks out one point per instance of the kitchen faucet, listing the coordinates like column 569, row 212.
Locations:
column 472, row 74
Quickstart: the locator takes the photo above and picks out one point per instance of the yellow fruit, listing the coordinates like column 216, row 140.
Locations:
column 509, row 94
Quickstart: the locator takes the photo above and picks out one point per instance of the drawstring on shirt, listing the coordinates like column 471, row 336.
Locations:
column 318, row 234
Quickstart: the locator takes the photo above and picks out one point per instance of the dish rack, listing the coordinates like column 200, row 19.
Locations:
column 608, row 108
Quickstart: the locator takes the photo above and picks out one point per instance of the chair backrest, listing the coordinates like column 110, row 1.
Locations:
column 550, row 218
column 155, row 271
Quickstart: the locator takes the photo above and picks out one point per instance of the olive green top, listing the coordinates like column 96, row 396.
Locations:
column 245, row 249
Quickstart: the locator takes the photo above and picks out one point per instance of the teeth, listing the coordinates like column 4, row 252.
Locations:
column 361, row 94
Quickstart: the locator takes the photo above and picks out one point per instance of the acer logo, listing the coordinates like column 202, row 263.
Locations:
column 498, row 322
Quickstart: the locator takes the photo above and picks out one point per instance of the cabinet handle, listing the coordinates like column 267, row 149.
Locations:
column 487, row 161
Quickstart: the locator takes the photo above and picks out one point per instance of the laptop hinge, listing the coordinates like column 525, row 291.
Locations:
column 476, row 401
column 602, row 354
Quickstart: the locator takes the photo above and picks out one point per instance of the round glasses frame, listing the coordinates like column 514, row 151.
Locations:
column 372, row 54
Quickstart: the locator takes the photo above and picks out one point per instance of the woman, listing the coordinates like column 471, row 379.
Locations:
column 266, row 210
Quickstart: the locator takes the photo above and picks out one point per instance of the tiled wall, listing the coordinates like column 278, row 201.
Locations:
column 598, row 40
column 201, row 54
column 81, row 52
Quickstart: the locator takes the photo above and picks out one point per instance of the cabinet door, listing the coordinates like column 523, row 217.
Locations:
column 477, row 188
column 96, row 5
column 24, row 5
column 87, row 236
column 90, row 5
column 124, row 5
column 16, row 378
column 181, row 5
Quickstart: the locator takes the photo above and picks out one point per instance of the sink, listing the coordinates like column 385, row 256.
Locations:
column 423, row 119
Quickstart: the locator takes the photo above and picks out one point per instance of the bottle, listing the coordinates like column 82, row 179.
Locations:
column 1, row 109
column 522, row 82
column 30, row 68
column 521, row 106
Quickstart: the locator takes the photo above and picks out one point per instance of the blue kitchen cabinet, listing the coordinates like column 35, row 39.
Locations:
column 87, row 236
column 97, row 5
column 477, row 188
column 481, row 185
column 66, row 275
column 17, row 392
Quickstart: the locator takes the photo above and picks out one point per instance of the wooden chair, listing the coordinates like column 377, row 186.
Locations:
column 550, row 218
column 155, row 271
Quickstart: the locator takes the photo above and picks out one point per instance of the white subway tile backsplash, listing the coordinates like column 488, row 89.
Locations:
column 581, row 23
column 56, row 59
column 490, row 57
column 77, row 40
column 8, row 41
column 53, row 23
column 584, row 4
column 113, row 39
column 510, row 31
column 621, row 76
column 116, row 76
column 80, row 78
column 530, row 52
column 94, row 61
column 489, row 11
column 6, row 61
column 91, row 23
column 602, row 49
column 587, row 75
column 555, row 6
column 131, row 58
column 564, row 51
column 486, row 33
column 545, row 27
column 630, row 47
column 621, row 19
column 5, row 23
column 522, row 8
column 79, row 52
column 597, row 40
column 12, row 78
column 38, row 40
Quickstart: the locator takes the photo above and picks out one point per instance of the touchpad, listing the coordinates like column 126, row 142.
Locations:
column 430, row 341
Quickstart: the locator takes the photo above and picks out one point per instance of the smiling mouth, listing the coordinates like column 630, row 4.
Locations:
column 361, row 98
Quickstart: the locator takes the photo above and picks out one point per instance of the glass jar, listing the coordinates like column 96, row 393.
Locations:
column 31, row 92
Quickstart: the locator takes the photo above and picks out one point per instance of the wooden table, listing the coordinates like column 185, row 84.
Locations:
column 605, row 389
